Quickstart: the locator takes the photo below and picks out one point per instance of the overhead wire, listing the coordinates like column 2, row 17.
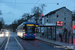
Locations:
column 36, row 2
column 28, row 3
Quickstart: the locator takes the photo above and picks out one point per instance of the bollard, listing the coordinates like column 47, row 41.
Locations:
column 72, row 39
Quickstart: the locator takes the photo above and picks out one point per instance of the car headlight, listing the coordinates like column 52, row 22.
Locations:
column 7, row 34
column 1, row 35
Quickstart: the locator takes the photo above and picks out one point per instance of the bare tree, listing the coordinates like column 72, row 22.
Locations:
column 37, row 11
column 25, row 16
column 42, row 7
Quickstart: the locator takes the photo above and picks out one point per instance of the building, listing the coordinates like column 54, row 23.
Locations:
column 64, row 15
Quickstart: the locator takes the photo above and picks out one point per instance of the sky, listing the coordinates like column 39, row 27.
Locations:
column 14, row 9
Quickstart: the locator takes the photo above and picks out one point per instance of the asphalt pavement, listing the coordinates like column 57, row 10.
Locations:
column 12, row 43
column 16, row 43
column 37, row 45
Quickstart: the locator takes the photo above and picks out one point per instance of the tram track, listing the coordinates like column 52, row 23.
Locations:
column 36, row 44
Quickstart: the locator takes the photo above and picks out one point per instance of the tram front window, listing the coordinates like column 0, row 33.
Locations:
column 30, row 29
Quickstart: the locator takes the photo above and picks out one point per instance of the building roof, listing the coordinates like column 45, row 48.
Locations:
column 52, row 12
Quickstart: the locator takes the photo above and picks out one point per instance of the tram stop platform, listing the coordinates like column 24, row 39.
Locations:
column 58, row 44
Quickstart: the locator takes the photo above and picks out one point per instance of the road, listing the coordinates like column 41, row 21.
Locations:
column 34, row 44
column 16, row 43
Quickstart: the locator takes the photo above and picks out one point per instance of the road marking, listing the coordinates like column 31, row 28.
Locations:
column 19, row 43
column 7, row 43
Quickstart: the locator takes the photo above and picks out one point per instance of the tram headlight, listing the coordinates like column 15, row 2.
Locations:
column 21, row 34
column 7, row 34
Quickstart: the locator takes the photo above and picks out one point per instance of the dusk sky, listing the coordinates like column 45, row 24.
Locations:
column 14, row 9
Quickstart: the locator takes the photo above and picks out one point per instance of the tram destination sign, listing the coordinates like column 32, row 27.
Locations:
column 29, row 24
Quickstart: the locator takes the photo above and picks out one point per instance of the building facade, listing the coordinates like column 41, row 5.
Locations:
column 64, row 15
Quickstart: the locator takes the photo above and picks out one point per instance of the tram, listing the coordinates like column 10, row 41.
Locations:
column 26, row 30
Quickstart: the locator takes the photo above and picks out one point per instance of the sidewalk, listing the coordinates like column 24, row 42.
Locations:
column 2, row 39
column 68, row 39
column 57, row 44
